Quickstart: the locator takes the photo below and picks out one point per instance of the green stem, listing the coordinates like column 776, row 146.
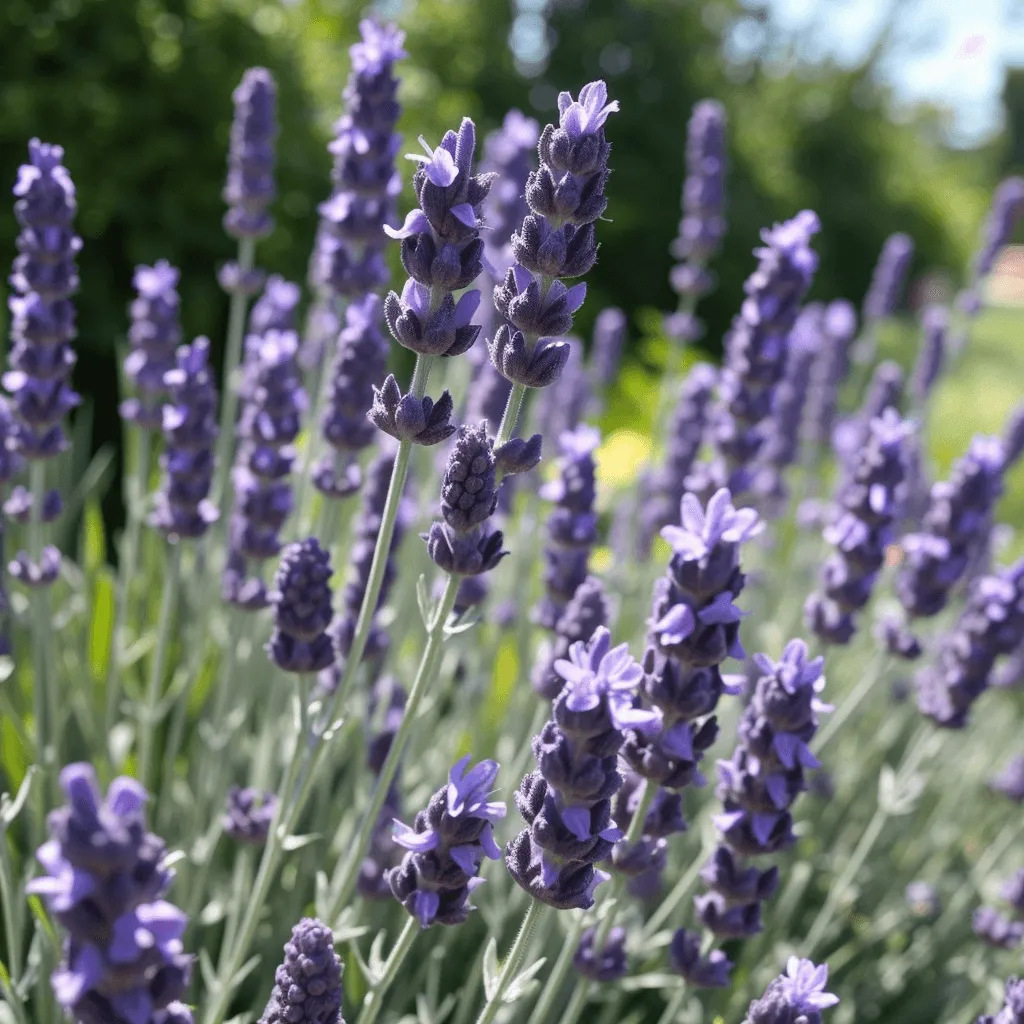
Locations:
column 12, row 925
column 674, row 1006
column 136, row 487
column 342, row 890
column 674, row 898
column 293, row 797
column 510, row 417
column 232, row 361
column 147, row 724
column 382, row 549
column 578, row 1001
column 553, row 986
column 373, row 1002
column 512, row 963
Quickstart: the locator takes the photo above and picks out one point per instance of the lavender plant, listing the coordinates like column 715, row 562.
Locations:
column 303, row 782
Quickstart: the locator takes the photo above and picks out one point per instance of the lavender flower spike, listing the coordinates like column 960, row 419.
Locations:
column 250, row 187
column 756, row 352
column 870, row 505
column 123, row 957
column 307, row 985
column 1013, row 1006
column 931, row 354
column 556, row 240
column 1007, row 207
column 182, row 507
column 991, row 624
column 888, row 279
column 712, row 971
column 359, row 362
column 248, row 815
column 796, row 997
column 567, row 802
column 447, row 844
column 301, row 600
column 155, row 334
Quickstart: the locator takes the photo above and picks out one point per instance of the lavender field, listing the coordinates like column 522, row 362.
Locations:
column 447, row 637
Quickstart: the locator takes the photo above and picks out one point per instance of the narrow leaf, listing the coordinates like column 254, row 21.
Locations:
column 491, row 969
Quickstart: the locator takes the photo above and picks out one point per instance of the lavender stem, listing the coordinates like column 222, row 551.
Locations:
column 373, row 1001
column 513, row 961
column 674, row 1006
column 147, row 723
column 232, row 362
column 542, row 1011
column 511, row 415
column 341, row 891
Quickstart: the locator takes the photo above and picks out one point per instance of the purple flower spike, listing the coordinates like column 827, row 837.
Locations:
column 190, row 429
column 1013, row 1005
column 154, row 335
column 248, row 815
column 307, row 985
column 796, row 997
column 712, row 971
column 301, row 600
column 123, row 955
column 566, row 802
column 1010, row 781
column 250, row 186
column 447, row 844
column 555, row 241
column 756, row 354
column 889, row 277
column 608, row 965
column 42, row 315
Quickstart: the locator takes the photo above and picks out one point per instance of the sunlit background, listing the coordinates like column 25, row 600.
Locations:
column 882, row 115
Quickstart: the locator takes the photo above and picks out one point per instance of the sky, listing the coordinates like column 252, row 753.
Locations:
column 963, row 47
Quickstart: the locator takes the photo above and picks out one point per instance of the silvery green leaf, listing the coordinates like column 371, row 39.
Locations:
column 213, row 912
column 245, row 970
column 376, row 961
column 6, row 668
column 138, row 650
column 443, row 1012
column 10, row 809
column 290, row 843
column 423, row 599
column 240, row 1018
column 208, row 971
column 460, row 627
column 886, row 788
column 119, row 742
column 491, row 969
column 346, row 929
column 364, row 967
column 653, row 979
column 7, row 1015
column 173, row 858
column 524, row 983
column 423, row 1012
column 321, row 894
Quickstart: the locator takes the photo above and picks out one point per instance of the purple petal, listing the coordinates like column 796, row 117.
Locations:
column 577, row 821
column 425, row 904
column 463, row 212
column 415, row 223
column 419, row 842
column 466, row 857
column 466, row 307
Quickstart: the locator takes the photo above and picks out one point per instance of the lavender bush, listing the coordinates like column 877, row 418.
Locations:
column 278, row 676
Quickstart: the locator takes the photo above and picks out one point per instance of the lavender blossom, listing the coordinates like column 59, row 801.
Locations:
column 757, row 787
column 828, row 372
column 561, row 409
column 643, row 863
column 1013, row 1007
column 1013, row 435
column 584, row 613
column 702, row 227
column 869, row 505
column 104, row 885
column 956, row 522
column 796, row 997
column 995, row 929
column 348, row 260
column 301, row 600
column 888, row 279
column 10, row 465
column 572, row 524
column 931, row 354
column 991, row 624
column 1007, row 207
column 556, row 240
column 567, row 802
column 610, row 964
column 248, row 815
column 447, row 844
column 1010, row 781
column 268, row 426
column 711, row 971
column 154, row 335
column 606, row 350
column 923, row 900
column 307, row 985
column 359, row 362
column 666, row 486
column 250, row 187
column 42, row 322
column 182, row 508
column 806, row 342
column 463, row 544
column 756, row 353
